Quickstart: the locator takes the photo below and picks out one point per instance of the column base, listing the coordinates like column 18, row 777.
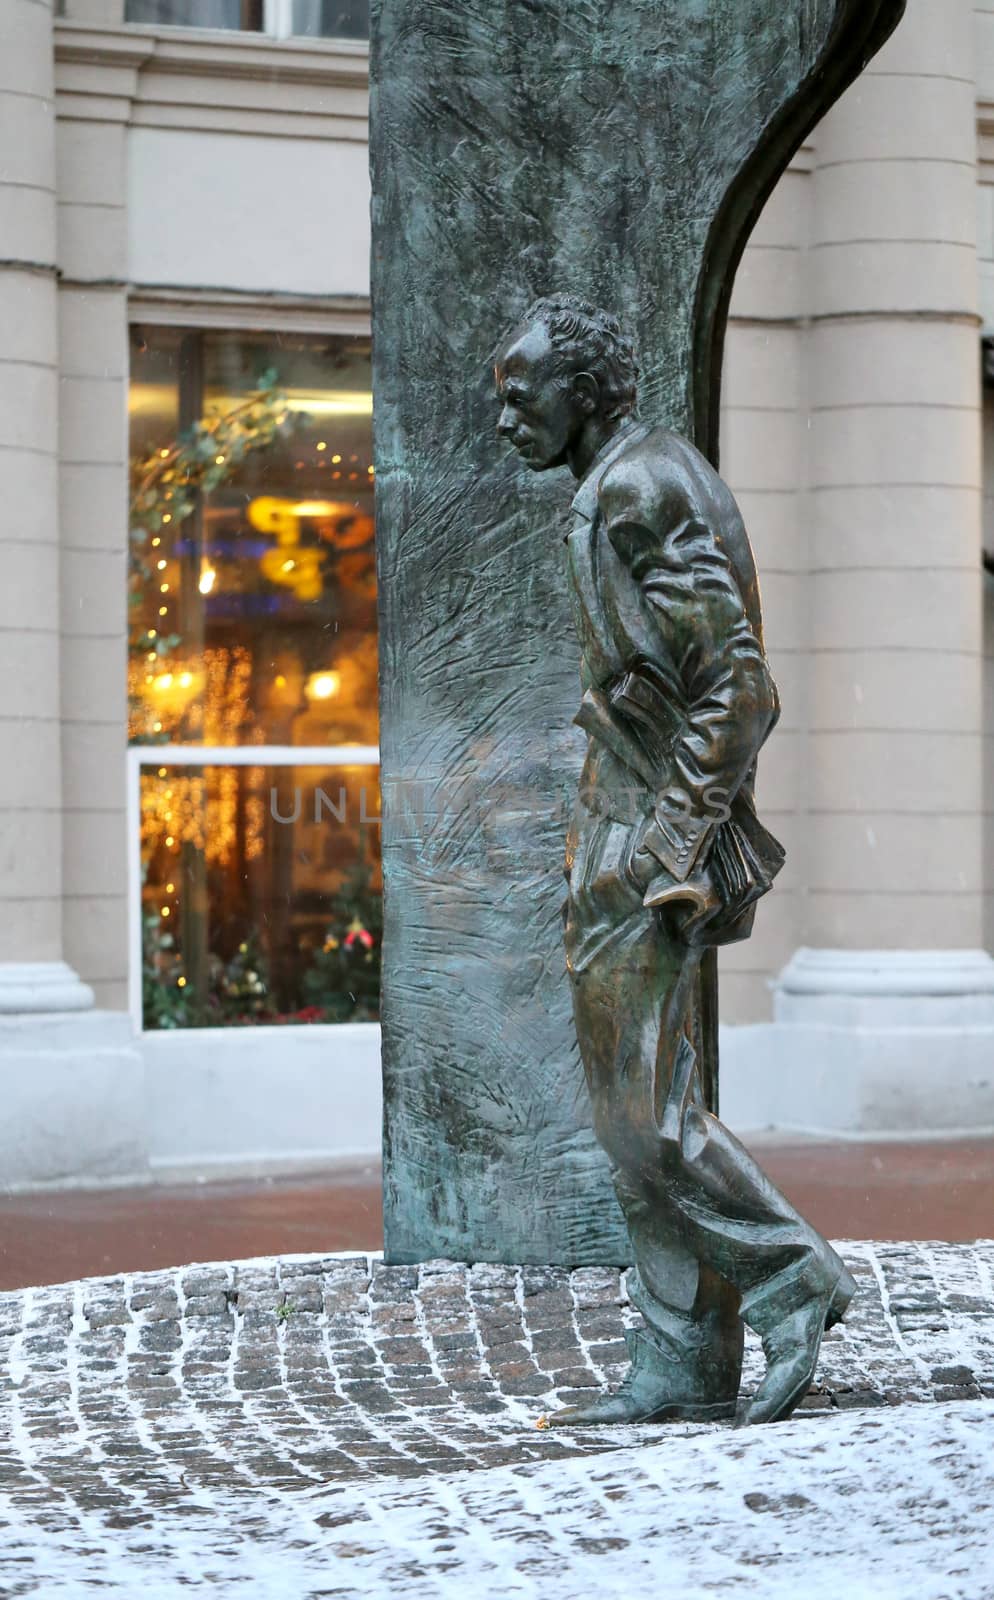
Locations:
column 868, row 1042
column 45, row 986
column 73, row 1091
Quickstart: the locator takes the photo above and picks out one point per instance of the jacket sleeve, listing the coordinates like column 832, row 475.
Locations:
column 710, row 652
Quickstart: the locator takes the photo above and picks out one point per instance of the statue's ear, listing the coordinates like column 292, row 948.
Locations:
column 587, row 390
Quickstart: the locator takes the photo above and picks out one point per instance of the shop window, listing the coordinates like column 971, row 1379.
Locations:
column 253, row 629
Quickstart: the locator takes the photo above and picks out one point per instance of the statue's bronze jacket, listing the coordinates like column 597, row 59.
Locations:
column 678, row 696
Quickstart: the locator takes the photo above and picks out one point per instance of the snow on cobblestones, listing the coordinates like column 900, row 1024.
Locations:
column 318, row 1426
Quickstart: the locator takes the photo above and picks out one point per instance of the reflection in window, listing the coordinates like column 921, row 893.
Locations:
column 245, row 15
column 254, row 618
column 262, row 895
column 331, row 19
column 253, row 622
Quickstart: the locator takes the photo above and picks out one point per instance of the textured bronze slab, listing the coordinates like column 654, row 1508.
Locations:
column 623, row 147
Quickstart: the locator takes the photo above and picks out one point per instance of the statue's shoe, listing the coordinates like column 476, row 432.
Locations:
column 791, row 1348
column 652, row 1390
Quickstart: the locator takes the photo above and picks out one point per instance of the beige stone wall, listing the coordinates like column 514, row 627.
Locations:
column 92, row 249
column 764, row 457
column 873, row 592
column 30, row 776
column 163, row 143
column 93, row 469
column 850, row 433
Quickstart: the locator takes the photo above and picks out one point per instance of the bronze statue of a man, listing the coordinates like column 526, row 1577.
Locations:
column 665, row 858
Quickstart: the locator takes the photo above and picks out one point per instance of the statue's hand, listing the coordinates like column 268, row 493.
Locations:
column 695, row 895
column 670, row 840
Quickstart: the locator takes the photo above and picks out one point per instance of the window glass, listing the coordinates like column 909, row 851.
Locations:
column 262, row 895
column 246, row 15
column 254, row 618
column 331, row 19
column 253, row 622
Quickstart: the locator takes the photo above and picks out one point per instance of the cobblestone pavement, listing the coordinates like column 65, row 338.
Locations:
column 328, row 1426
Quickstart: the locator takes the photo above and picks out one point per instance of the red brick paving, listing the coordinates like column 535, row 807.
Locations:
column 935, row 1190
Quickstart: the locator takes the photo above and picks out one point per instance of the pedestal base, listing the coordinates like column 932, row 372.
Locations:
column 73, row 1092
column 868, row 1042
column 32, row 986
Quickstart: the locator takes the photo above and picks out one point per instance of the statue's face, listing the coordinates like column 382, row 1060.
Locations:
column 541, row 414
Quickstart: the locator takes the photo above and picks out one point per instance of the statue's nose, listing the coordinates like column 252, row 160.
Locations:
column 506, row 424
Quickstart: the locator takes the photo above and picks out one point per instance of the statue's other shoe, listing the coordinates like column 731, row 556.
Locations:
column 652, row 1390
column 791, row 1347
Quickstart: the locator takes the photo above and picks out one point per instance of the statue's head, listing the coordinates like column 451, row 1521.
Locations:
column 565, row 367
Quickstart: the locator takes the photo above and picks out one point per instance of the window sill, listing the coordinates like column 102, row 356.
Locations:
column 214, row 53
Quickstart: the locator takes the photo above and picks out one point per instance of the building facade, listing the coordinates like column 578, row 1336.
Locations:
column 190, row 687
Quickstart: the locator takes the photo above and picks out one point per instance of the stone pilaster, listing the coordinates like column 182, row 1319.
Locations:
column 764, row 451
column 72, row 1086
column 31, row 973
column 895, row 748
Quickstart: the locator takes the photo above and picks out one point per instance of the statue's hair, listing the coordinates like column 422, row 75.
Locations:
column 586, row 339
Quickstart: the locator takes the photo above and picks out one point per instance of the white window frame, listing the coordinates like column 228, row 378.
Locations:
column 277, row 23
column 140, row 756
column 277, row 19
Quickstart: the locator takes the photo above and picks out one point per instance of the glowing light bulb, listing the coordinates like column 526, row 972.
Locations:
column 208, row 578
column 323, row 685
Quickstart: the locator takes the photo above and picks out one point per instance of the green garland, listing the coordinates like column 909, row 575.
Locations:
column 343, row 981
column 166, row 485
